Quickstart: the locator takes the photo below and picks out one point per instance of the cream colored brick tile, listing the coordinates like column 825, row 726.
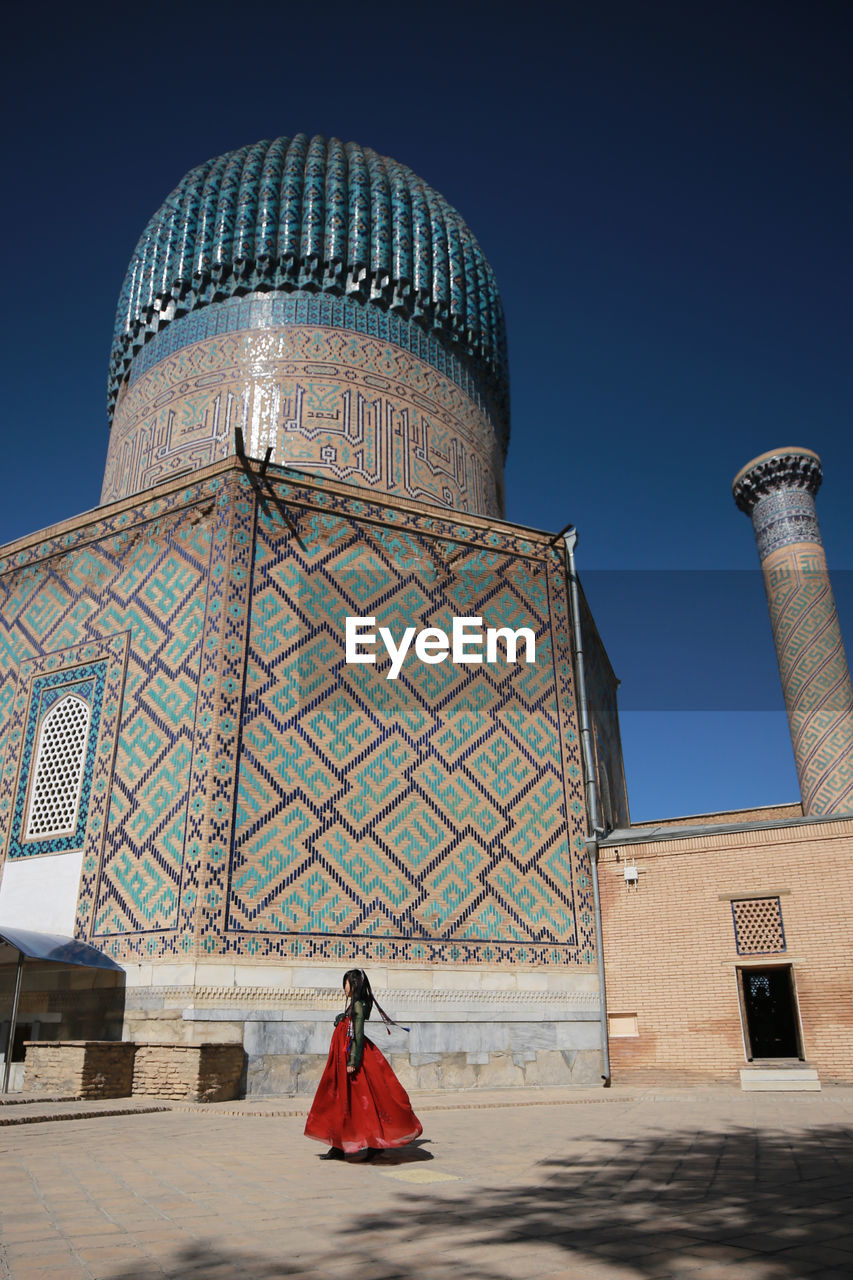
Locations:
column 259, row 975
column 457, row 980
column 409, row 979
column 172, row 975
column 214, row 975
column 138, row 975
column 319, row 977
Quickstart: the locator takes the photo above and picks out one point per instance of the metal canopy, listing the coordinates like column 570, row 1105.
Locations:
column 44, row 946
column 52, row 946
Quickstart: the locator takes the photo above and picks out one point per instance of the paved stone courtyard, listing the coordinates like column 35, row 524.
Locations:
column 611, row 1185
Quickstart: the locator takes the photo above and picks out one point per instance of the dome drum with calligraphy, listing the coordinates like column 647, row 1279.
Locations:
column 330, row 304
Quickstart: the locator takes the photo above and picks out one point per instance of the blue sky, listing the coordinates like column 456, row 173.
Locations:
column 664, row 192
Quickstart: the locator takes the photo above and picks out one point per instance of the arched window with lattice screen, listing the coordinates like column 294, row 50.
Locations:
column 58, row 778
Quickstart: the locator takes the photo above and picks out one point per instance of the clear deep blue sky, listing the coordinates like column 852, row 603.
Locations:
column 664, row 192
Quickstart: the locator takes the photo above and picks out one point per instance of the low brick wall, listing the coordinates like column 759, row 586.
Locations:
column 83, row 1068
column 119, row 1069
column 202, row 1072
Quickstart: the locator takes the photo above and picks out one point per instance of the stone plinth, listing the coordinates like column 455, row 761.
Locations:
column 84, row 1068
column 202, row 1073
column 468, row 1028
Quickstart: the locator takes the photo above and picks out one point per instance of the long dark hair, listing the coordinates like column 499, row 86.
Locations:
column 359, row 989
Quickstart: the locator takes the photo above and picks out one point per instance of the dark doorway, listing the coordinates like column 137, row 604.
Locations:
column 770, row 1011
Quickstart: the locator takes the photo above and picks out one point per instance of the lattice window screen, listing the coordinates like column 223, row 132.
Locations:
column 60, row 757
column 758, row 925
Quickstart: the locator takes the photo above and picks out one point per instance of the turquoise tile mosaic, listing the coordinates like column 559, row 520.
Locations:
column 300, row 214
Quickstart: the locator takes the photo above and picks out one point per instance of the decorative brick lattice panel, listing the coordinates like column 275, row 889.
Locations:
column 59, row 769
column 758, row 925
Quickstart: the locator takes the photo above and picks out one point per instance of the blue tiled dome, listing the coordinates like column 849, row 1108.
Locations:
column 311, row 215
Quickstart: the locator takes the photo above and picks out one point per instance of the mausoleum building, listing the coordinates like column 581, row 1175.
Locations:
column 296, row 697
column 309, row 405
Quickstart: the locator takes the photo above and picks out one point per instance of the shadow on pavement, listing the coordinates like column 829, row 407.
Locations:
column 715, row 1197
column 667, row 1204
column 414, row 1153
column 201, row 1262
column 348, row 1262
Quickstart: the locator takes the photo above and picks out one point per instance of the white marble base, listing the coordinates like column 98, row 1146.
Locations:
column 468, row 1027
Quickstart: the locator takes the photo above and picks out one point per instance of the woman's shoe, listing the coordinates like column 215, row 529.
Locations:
column 334, row 1153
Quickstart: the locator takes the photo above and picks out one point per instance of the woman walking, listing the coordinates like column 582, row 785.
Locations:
column 359, row 1104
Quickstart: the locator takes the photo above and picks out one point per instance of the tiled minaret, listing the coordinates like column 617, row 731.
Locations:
column 777, row 490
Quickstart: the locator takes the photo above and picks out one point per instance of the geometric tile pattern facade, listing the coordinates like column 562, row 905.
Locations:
column 131, row 588
column 331, row 387
column 254, row 796
column 435, row 817
column 758, row 925
column 148, row 885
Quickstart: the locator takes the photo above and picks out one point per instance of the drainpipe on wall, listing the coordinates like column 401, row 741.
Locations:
column 593, row 808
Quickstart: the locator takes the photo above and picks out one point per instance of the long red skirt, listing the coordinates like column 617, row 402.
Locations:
column 368, row 1109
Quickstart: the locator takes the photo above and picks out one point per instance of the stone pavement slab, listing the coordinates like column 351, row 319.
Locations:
column 614, row 1185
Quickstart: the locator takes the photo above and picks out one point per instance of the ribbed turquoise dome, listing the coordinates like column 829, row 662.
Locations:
column 311, row 215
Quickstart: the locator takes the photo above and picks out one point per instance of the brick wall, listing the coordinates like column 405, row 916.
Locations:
column 82, row 1069
column 204, row 1072
column 767, row 813
column 117, row 1069
column 671, row 957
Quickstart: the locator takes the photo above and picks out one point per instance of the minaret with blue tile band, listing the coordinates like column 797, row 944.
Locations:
column 777, row 490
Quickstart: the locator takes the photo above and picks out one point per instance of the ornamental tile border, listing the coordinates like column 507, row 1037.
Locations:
column 330, row 997
column 269, row 311
column 56, row 683
column 291, row 486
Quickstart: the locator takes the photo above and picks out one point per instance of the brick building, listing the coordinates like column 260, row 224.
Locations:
column 727, row 938
column 728, row 948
